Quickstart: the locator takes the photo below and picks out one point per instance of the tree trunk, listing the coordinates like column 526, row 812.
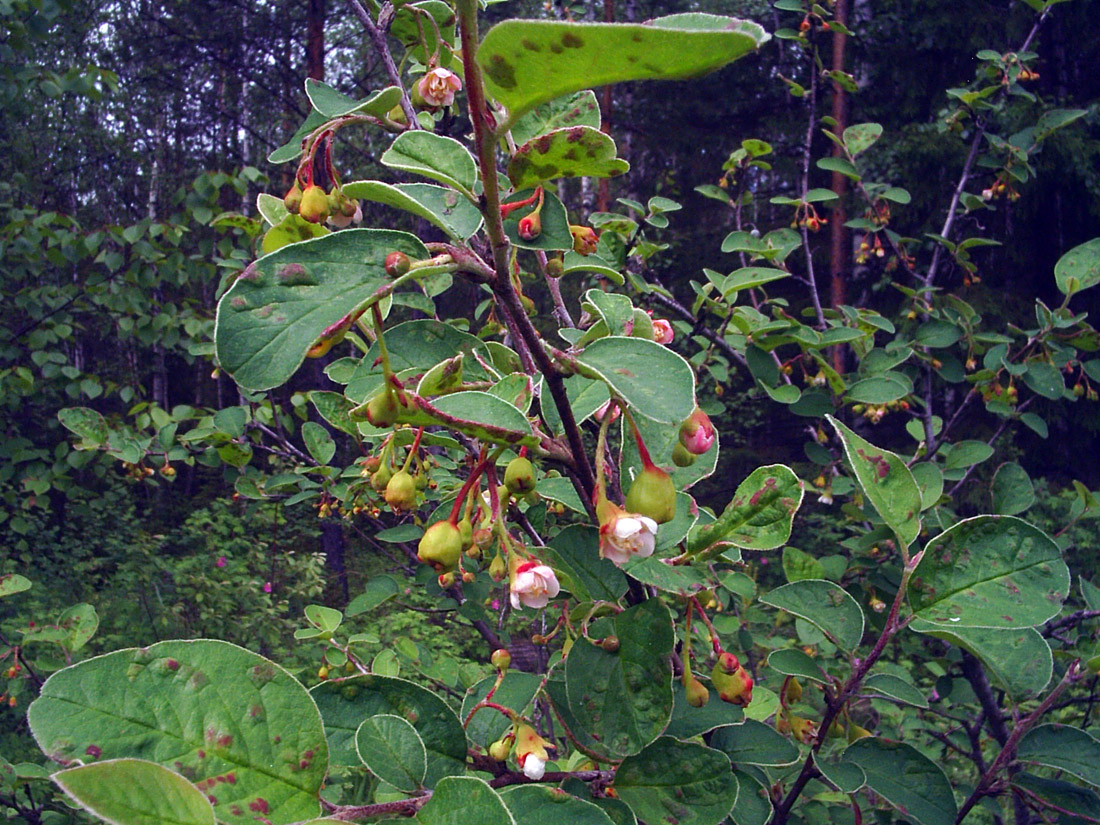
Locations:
column 840, row 253
column 315, row 40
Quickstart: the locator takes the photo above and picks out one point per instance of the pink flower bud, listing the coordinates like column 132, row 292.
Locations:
column 697, row 433
column 438, row 87
column 220, row 562
column 267, row 587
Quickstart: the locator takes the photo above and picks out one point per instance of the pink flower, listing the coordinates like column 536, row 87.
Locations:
column 533, row 584
column 624, row 535
column 267, row 587
column 602, row 411
column 438, row 87
column 220, row 562
column 662, row 331
column 697, row 433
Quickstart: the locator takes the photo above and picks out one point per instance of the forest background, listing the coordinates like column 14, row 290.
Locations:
column 130, row 129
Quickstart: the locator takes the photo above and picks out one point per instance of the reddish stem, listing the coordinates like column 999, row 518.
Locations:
column 475, row 474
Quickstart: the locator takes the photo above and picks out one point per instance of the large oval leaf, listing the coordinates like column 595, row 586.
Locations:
column 909, row 781
column 434, row 156
column 446, row 208
column 461, row 799
column 624, row 699
column 1079, row 268
column 528, row 62
column 136, row 792
column 651, row 378
column 1063, row 747
column 393, row 751
column 282, row 303
column 237, row 725
column 1018, row 659
column 578, row 151
column 754, row 743
column 886, row 482
column 346, row 704
column 687, row 781
column 540, row 805
column 824, row 604
column 990, row 571
column 760, row 515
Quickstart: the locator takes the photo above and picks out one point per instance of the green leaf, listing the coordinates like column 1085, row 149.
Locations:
column 965, row 454
column 651, row 378
column 1012, row 490
column 530, row 62
column 1077, row 804
column 791, row 661
column 575, row 151
column 135, row 792
column 418, row 35
column 271, row 208
column 482, row 415
column 516, row 691
column 393, row 751
column 292, row 149
column 929, row 479
column 446, row 208
column 1064, row 748
column 905, row 778
column 574, row 552
column 239, row 726
column 334, row 408
column 333, row 104
column 760, row 515
column 1017, row 659
column 440, row 158
column 799, row 565
column 750, row 277
column 841, row 165
column 624, row 698
column 318, row 442
column 562, row 491
column 278, row 308
column 847, row 776
column 79, row 623
column 540, row 805
column 460, row 800
column 885, row 481
column 989, row 571
column 614, row 309
column 860, row 138
column 376, row 591
column 688, row 782
column 878, row 389
column 86, row 423
column 661, row 440
column 1045, row 379
column 1079, row 268
column 895, row 688
column 345, row 704
column 754, row 743
column 576, row 109
column 753, row 805
column 12, row 583
column 827, row 606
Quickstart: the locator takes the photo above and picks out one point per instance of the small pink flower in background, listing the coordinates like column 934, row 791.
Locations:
column 495, row 604
column 438, row 87
column 662, row 331
column 220, row 562
column 533, row 585
column 267, row 587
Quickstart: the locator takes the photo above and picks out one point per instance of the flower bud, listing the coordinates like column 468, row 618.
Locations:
column 610, row 644
column 440, row 546
column 500, row 749
column 466, row 530
column 697, row 693
column 681, row 457
column 529, row 228
column 653, row 494
column 855, row 732
column 446, row 580
column 554, row 268
column 498, row 569
column 519, row 477
column 697, row 433
column 733, row 682
column 501, row 659
column 380, row 479
column 483, row 538
column 401, row 491
column 314, row 206
column 585, row 239
column 292, row 200
column 397, row 264
column 804, row 730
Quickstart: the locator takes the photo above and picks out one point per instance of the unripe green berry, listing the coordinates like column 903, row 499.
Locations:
column 697, row 693
column 682, row 457
column 401, row 491
column 653, row 494
column 500, row 749
column 397, row 264
column 440, row 546
column 501, row 659
column 314, row 206
column 519, row 477
column 293, row 199
column 382, row 410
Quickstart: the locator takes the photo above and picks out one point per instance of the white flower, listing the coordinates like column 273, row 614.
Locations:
column 625, row 535
column 438, row 87
column 533, row 585
column 533, row 766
